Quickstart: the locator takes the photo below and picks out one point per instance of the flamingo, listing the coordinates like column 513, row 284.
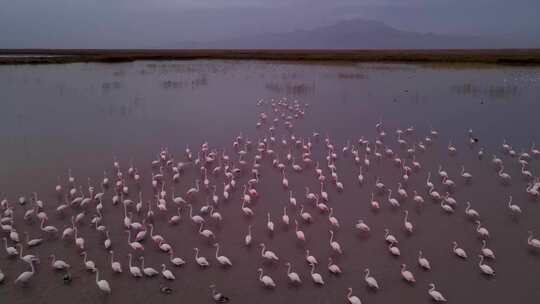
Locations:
column 360, row 176
column 333, row 268
column 515, row 209
column 459, row 251
column 206, row 232
column 27, row 258
column 429, row 184
column 115, row 265
column 447, row 207
column 505, row 177
column 310, row 196
column 362, row 226
column 24, row 277
column 166, row 273
column 310, row 259
column 175, row 219
column 402, row 192
column 443, row 174
column 265, row 279
column 333, row 244
column 202, row 261
column 482, row 231
column 486, row 269
column 193, row 191
column 435, row 295
column 422, row 261
column 223, row 260
column 294, row 278
column 103, row 285
column 79, row 241
column 370, row 281
column 299, row 233
column 246, row 198
column 306, row 216
column 164, row 246
column 471, row 212
column 374, row 203
column 49, row 229
column 389, row 237
column 176, row 261
column 285, row 217
column 292, row 200
column 393, row 202
column 406, row 274
column 353, row 299
column 488, row 253
column 533, row 242
column 89, row 264
column 155, row 237
column 394, row 250
column 466, row 175
column 134, row 270
column 58, row 264
column 148, row 271
column 215, row 215
column 320, row 205
column 333, row 220
column 134, row 245
column 284, row 180
column 11, row 251
column 316, row 277
column 267, row 254
column 408, row 225
column 248, row 238
column 418, row 198
column 247, row 211
column 269, row 223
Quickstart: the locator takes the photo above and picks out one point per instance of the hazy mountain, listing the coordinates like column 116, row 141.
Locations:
column 351, row 34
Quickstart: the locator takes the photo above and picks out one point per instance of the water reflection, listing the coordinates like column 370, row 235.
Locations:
column 489, row 91
column 290, row 88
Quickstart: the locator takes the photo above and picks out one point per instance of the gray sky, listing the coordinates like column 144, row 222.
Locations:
column 159, row 23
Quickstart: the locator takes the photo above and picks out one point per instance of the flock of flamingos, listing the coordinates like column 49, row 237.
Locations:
column 240, row 172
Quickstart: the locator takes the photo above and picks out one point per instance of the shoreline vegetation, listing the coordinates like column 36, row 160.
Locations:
column 522, row 57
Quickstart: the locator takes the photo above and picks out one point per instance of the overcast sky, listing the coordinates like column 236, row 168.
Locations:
column 158, row 23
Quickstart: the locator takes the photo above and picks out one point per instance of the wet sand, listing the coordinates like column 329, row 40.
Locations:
column 80, row 116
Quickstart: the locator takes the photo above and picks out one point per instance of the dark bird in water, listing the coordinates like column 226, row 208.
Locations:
column 472, row 139
column 218, row 296
column 165, row 289
column 67, row 277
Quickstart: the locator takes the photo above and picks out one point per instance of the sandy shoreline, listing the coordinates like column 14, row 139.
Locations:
column 494, row 56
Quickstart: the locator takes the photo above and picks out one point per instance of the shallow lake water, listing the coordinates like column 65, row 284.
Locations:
column 82, row 116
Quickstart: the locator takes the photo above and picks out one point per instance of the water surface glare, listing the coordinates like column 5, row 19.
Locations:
column 82, row 116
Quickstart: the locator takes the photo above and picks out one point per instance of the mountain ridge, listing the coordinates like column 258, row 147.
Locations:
column 349, row 34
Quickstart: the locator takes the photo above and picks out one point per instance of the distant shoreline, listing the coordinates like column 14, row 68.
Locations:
column 521, row 57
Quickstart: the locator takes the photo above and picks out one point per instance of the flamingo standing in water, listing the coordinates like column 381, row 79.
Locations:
column 294, row 278
column 265, row 279
column 435, row 295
